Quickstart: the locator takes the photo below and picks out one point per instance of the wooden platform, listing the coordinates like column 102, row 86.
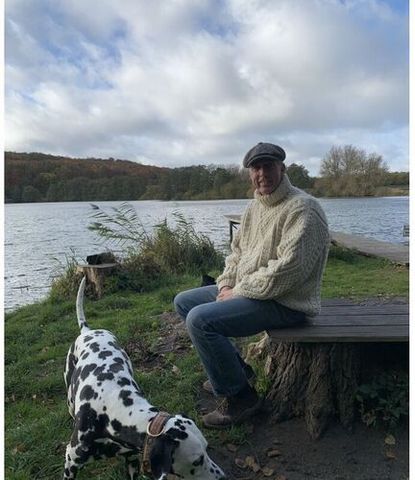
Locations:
column 342, row 321
column 397, row 253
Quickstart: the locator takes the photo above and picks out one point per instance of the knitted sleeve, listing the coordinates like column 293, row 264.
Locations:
column 305, row 240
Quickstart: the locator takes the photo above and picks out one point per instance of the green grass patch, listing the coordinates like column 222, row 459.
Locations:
column 38, row 336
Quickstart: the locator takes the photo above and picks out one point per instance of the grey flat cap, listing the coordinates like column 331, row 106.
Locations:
column 263, row 150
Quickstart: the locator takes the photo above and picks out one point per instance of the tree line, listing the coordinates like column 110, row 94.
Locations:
column 37, row 177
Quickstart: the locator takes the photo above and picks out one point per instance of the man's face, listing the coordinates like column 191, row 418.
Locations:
column 266, row 175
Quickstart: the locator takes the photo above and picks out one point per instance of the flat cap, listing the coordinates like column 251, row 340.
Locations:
column 263, row 150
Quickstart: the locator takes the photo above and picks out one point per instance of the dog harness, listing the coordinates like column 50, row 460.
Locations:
column 155, row 428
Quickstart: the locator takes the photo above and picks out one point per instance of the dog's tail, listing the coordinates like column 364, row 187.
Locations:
column 80, row 307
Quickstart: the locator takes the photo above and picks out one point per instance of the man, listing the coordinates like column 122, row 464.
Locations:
column 271, row 280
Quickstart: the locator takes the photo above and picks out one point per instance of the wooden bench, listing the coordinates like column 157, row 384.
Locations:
column 315, row 369
column 341, row 320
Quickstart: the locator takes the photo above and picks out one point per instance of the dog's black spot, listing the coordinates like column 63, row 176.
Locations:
column 99, row 370
column 99, row 332
column 114, row 345
column 105, row 354
column 105, row 450
column 87, row 393
column 87, row 419
column 87, row 370
column 199, row 461
column 178, row 422
column 153, row 409
column 192, row 471
column 118, row 360
column 70, row 367
column 127, row 434
column 116, row 367
column 88, row 338
column 122, row 382
column 177, row 434
column 116, row 425
column 104, row 408
column 85, row 356
column 82, row 455
column 105, row 376
column 125, row 396
column 132, row 413
column 211, row 470
column 94, row 347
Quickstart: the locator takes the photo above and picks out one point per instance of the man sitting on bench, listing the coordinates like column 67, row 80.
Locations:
column 271, row 280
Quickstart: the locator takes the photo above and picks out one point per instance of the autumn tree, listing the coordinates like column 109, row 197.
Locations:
column 350, row 171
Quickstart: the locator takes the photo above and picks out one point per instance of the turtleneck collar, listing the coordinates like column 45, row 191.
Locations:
column 277, row 195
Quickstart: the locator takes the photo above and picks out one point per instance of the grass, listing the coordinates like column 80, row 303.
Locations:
column 38, row 336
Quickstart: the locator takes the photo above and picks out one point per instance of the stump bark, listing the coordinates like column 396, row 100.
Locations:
column 96, row 275
column 318, row 381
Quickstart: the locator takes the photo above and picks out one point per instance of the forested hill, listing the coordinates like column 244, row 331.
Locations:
column 37, row 177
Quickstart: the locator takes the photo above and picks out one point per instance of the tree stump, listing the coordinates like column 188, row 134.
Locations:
column 318, row 381
column 96, row 274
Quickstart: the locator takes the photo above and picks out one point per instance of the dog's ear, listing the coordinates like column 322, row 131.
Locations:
column 161, row 456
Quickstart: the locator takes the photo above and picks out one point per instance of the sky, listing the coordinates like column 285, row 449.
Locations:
column 192, row 82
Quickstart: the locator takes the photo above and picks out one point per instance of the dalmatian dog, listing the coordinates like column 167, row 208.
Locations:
column 112, row 417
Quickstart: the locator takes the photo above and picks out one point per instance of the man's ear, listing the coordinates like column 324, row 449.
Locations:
column 161, row 456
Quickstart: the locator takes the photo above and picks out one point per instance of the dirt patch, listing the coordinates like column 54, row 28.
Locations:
column 284, row 451
column 172, row 338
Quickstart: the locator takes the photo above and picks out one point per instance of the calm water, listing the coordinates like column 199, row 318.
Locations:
column 39, row 237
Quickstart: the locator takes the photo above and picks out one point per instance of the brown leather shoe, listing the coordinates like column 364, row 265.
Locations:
column 234, row 410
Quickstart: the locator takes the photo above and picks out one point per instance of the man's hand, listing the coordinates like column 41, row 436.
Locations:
column 225, row 293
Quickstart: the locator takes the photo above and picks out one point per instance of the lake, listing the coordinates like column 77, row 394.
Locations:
column 41, row 237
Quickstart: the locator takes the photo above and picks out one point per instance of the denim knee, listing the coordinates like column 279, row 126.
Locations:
column 178, row 305
column 196, row 320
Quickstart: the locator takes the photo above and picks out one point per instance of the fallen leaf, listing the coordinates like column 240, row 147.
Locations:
column 267, row 471
column 252, row 464
column 273, row 453
column 390, row 440
column 176, row 370
column 390, row 455
column 34, row 396
column 249, row 460
column 239, row 462
column 231, row 447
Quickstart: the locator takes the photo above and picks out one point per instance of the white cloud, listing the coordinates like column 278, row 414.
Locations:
column 200, row 82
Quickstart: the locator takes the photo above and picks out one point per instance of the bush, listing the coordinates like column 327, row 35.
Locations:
column 385, row 399
column 148, row 260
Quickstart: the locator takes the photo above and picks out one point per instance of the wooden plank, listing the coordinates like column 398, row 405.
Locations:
column 351, row 320
column 338, row 334
column 397, row 253
column 352, row 310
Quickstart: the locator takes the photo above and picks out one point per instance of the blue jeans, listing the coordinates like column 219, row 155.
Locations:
column 211, row 323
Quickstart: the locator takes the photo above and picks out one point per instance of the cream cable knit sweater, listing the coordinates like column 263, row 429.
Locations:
column 280, row 250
